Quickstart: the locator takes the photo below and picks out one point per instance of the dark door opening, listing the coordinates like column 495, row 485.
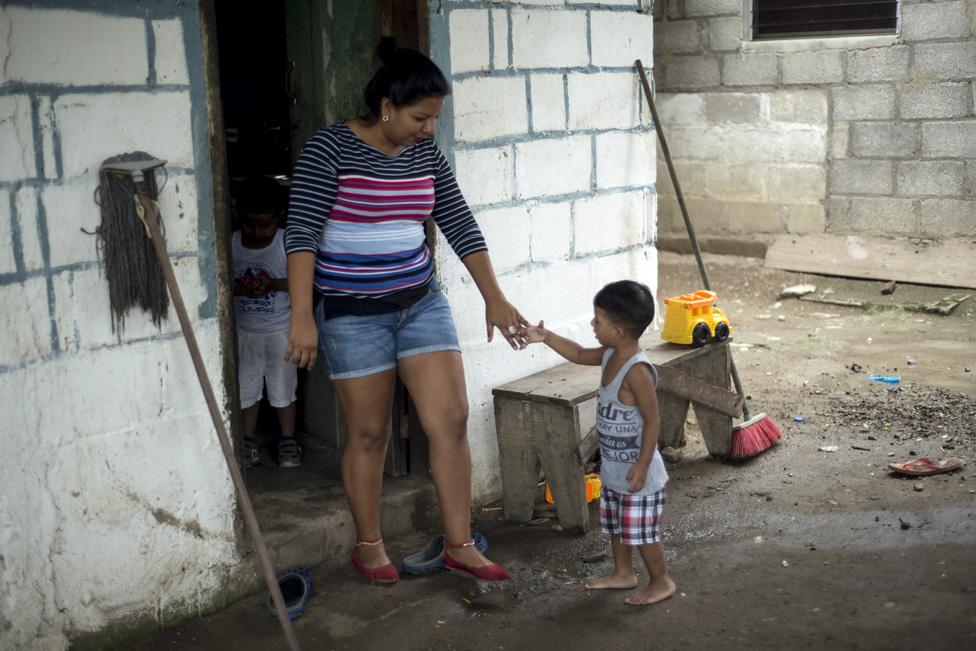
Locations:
column 286, row 69
column 253, row 71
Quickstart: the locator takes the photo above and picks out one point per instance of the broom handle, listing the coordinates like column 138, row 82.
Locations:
column 684, row 214
column 152, row 224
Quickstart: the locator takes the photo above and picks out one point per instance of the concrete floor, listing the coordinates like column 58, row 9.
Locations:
column 797, row 548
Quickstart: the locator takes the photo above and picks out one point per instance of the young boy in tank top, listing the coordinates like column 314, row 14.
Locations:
column 631, row 469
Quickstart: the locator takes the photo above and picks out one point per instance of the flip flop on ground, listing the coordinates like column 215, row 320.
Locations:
column 923, row 466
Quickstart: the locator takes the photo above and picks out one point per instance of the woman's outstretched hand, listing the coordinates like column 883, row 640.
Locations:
column 501, row 314
column 303, row 342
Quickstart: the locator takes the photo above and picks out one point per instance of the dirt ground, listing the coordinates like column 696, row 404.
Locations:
column 797, row 548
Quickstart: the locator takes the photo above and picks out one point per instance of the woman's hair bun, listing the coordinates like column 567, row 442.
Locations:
column 387, row 49
column 406, row 76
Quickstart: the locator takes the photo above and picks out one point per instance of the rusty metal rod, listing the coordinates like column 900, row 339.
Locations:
column 151, row 221
column 684, row 214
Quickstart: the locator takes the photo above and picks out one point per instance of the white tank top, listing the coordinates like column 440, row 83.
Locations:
column 621, row 428
column 271, row 312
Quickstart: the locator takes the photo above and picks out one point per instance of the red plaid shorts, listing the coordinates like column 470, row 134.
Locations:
column 635, row 518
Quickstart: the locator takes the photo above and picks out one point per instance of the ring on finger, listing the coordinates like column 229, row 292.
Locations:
column 512, row 330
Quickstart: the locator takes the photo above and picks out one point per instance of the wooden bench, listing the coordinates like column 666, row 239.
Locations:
column 547, row 420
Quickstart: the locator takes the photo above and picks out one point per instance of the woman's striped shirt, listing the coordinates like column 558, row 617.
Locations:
column 362, row 212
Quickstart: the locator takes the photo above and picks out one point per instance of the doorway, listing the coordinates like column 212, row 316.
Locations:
column 285, row 70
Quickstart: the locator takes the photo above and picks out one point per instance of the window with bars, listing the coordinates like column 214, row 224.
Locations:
column 796, row 18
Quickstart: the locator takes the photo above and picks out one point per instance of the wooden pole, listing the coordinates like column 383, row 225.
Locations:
column 149, row 216
column 684, row 214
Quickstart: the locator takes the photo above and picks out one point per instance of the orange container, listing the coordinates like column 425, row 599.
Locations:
column 592, row 488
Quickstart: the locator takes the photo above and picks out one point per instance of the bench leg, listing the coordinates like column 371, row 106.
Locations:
column 716, row 427
column 520, row 477
column 564, row 472
column 518, row 460
column 673, row 412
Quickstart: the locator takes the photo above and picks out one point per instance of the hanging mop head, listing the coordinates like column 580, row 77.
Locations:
column 130, row 263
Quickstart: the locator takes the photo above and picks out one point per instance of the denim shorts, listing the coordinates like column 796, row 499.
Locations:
column 358, row 345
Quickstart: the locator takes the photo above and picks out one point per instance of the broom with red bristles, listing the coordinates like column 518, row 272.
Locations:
column 755, row 433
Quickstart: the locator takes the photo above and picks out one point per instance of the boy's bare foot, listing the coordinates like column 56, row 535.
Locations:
column 612, row 582
column 655, row 592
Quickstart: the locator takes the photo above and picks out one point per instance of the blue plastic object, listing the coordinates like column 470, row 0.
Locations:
column 890, row 379
column 798, row 419
column 296, row 589
column 430, row 559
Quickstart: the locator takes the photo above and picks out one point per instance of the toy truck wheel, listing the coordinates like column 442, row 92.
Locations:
column 721, row 332
column 700, row 335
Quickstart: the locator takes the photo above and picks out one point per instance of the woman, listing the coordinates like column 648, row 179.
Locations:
column 361, row 193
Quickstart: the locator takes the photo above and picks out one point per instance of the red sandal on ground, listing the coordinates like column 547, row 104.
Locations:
column 492, row 572
column 384, row 574
column 923, row 466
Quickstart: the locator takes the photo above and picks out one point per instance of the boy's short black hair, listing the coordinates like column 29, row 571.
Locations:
column 629, row 304
column 260, row 195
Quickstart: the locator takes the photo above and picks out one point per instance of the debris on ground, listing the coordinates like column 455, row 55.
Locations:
column 796, row 291
column 888, row 287
column 887, row 379
column 906, row 412
column 671, row 454
column 942, row 307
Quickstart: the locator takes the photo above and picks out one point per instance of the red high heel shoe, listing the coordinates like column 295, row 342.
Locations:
column 493, row 572
column 383, row 574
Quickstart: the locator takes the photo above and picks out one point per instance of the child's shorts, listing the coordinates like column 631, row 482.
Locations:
column 635, row 518
column 261, row 361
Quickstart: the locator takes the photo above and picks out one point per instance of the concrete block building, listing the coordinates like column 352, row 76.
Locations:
column 117, row 513
column 864, row 134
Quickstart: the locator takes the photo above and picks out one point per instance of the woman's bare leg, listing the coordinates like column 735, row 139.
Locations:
column 367, row 403
column 436, row 385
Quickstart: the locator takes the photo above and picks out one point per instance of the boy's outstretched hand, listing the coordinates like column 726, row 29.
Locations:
column 535, row 334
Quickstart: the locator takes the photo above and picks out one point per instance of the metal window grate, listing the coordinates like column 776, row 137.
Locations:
column 792, row 18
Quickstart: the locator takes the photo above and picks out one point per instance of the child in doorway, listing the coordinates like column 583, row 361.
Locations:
column 263, row 316
column 631, row 469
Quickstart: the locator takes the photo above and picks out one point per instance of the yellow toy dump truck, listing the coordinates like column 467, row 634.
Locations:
column 694, row 319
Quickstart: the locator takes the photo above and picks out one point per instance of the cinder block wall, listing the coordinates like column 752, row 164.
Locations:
column 555, row 153
column 871, row 135
column 116, row 509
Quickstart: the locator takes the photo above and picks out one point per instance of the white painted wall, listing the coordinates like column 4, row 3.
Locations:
column 555, row 154
column 115, row 504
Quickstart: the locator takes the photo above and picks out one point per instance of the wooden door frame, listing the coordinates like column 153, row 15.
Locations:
column 220, row 197
column 405, row 20
column 408, row 22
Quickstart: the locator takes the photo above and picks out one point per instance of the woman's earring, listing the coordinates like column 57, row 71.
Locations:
column 386, row 118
